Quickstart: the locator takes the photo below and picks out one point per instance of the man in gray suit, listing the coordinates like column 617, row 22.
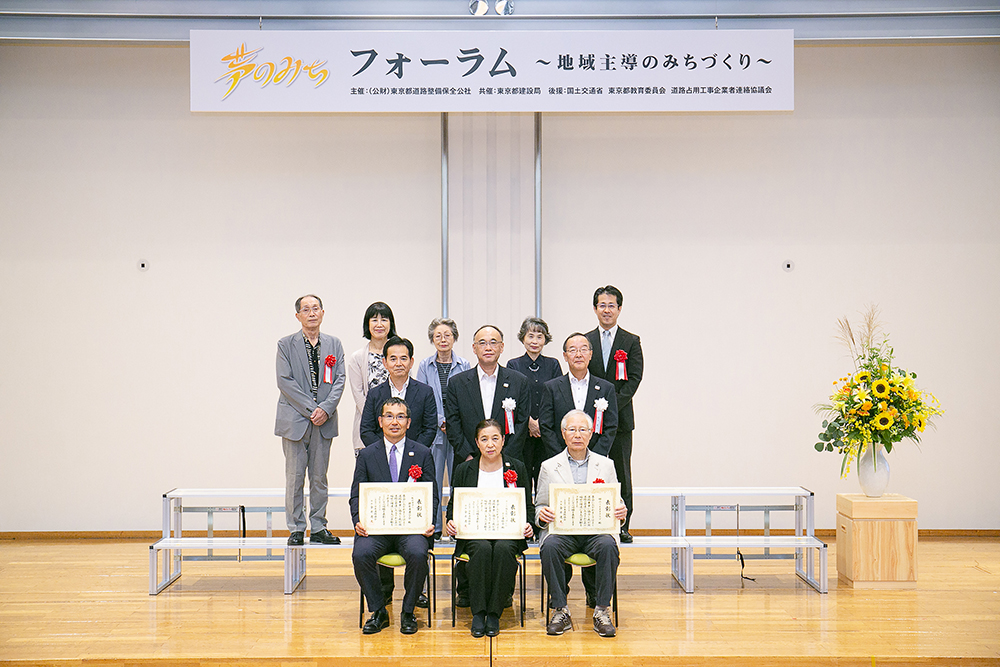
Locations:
column 310, row 369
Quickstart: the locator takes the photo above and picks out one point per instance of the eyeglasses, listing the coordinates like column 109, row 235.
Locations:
column 572, row 430
column 306, row 310
column 582, row 350
column 395, row 418
column 493, row 342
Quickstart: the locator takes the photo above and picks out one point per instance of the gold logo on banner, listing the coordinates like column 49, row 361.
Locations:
column 239, row 65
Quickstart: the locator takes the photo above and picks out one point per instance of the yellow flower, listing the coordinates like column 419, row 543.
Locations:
column 862, row 395
column 880, row 388
column 883, row 420
column 863, row 376
column 919, row 422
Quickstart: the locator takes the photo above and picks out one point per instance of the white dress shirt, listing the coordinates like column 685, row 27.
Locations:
column 398, row 393
column 579, row 390
column 488, row 388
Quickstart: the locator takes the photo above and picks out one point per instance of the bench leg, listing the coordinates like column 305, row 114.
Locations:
column 295, row 568
column 171, row 568
column 682, row 567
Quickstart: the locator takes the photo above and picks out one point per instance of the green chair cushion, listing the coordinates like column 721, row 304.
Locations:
column 581, row 560
column 392, row 560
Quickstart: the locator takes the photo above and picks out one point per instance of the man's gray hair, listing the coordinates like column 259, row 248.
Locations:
column 590, row 422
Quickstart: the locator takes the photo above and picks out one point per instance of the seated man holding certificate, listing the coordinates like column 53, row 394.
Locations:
column 558, row 541
column 394, row 458
column 492, row 560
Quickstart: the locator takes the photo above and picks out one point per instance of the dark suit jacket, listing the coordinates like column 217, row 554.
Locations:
column 373, row 466
column 467, row 475
column 423, row 413
column 548, row 369
column 557, row 400
column 464, row 409
column 624, row 389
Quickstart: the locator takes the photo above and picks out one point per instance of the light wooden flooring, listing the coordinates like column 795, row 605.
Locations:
column 83, row 601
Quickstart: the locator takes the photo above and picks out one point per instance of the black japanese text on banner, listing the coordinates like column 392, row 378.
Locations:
column 512, row 71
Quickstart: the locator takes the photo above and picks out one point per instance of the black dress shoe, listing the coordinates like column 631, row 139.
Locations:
column 408, row 623
column 422, row 601
column 478, row 624
column 379, row 620
column 492, row 625
column 323, row 537
column 625, row 537
column 296, row 539
column 462, row 600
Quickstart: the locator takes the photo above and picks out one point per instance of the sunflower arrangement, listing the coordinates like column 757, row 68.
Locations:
column 879, row 404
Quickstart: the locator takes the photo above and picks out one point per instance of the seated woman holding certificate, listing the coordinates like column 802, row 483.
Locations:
column 492, row 562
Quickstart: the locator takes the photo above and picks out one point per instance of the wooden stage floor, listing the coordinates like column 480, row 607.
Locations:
column 86, row 601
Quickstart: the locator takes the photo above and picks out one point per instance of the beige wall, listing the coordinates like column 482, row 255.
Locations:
column 117, row 385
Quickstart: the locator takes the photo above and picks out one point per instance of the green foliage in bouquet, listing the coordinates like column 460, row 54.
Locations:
column 879, row 404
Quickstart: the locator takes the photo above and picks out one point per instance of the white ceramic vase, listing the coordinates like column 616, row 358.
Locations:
column 873, row 472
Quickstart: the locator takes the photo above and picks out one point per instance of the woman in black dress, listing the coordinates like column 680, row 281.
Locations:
column 539, row 369
column 492, row 563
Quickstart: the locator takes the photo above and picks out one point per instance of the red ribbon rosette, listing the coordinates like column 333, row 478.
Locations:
column 621, row 356
column 415, row 472
column 598, row 481
column 511, row 478
column 330, row 362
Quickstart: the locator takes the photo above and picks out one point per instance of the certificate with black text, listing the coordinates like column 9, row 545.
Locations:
column 489, row 514
column 584, row 509
column 396, row 509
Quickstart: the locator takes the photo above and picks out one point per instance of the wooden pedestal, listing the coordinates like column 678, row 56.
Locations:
column 877, row 541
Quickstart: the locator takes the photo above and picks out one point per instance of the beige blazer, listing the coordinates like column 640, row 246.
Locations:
column 556, row 470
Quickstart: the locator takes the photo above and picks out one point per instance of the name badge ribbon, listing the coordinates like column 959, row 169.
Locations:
column 511, row 478
column 620, row 357
column 509, row 405
column 330, row 362
column 600, row 405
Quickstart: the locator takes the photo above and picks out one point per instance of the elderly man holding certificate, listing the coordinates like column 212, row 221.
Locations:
column 491, row 500
column 579, row 519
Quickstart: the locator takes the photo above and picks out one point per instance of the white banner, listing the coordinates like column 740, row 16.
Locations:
column 505, row 71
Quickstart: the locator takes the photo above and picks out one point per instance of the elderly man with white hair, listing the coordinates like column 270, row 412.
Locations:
column 577, row 465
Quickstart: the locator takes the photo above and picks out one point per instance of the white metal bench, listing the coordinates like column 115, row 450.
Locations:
column 807, row 549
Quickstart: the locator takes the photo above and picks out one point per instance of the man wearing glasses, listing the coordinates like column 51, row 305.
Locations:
column 488, row 391
column 576, row 465
column 310, row 370
column 391, row 459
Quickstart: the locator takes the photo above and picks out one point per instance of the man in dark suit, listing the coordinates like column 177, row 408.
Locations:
column 578, row 390
column 391, row 460
column 310, row 371
column 488, row 391
column 617, row 358
column 397, row 357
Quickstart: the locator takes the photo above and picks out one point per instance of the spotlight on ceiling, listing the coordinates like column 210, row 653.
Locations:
column 479, row 7
column 504, row 7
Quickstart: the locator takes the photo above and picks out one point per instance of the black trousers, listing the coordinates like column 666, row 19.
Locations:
column 491, row 571
column 413, row 549
column 621, row 455
column 556, row 549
